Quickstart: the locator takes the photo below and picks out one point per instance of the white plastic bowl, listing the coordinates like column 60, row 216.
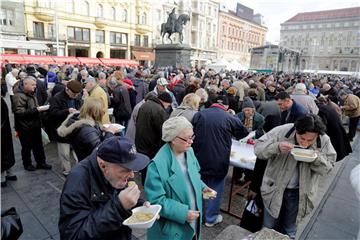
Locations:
column 110, row 111
column 118, row 127
column 44, row 107
column 154, row 209
column 304, row 155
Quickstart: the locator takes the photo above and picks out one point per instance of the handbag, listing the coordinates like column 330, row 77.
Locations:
column 252, row 217
column 11, row 227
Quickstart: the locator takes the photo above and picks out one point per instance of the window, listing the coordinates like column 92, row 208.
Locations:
column 146, row 41
column 113, row 13
column 124, row 15
column 118, row 38
column 138, row 19
column 143, row 21
column 159, row 15
column 87, row 8
column 70, row 7
column 100, row 11
column 78, row 34
column 38, row 30
column 100, row 36
column 137, row 40
column 51, row 31
column 6, row 17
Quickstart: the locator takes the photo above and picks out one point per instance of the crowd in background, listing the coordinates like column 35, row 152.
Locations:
column 219, row 105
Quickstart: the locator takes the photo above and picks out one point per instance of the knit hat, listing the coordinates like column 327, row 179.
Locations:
column 248, row 103
column 165, row 97
column 173, row 127
column 74, row 86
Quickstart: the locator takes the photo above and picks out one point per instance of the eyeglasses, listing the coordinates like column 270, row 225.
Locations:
column 187, row 140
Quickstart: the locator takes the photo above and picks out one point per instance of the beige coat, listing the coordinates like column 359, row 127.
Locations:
column 280, row 168
column 352, row 106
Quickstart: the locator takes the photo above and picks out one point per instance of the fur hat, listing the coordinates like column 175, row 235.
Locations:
column 173, row 127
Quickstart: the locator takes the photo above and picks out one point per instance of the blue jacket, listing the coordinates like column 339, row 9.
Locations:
column 164, row 185
column 296, row 111
column 214, row 128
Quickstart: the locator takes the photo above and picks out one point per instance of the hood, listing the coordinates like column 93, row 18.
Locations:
column 71, row 123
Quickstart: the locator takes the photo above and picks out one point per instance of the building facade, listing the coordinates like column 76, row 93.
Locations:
column 327, row 40
column 237, row 35
column 84, row 28
column 12, row 30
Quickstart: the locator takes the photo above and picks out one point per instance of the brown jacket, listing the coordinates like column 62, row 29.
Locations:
column 352, row 106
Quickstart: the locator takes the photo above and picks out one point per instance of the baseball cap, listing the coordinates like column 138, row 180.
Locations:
column 162, row 82
column 122, row 151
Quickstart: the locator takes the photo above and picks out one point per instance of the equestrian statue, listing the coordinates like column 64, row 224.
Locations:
column 174, row 25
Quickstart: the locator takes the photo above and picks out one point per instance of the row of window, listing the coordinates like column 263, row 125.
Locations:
column 238, row 33
column 83, row 35
column 7, row 17
column 321, row 25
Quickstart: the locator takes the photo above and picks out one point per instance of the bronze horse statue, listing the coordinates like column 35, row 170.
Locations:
column 178, row 27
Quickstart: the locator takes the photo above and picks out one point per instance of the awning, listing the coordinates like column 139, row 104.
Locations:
column 147, row 56
column 12, row 58
column 18, row 44
column 118, row 62
column 38, row 59
column 63, row 60
column 89, row 61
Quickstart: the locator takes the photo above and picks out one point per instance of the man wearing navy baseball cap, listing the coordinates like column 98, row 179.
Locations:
column 95, row 199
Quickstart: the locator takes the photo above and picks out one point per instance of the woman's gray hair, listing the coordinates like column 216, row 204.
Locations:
column 113, row 82
column 173, row 127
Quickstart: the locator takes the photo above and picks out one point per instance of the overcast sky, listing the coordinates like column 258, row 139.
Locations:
column 278, row 11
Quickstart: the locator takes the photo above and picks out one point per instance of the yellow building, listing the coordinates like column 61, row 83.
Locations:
column 91, row 28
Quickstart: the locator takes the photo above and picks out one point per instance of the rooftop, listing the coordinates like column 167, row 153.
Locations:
column 324, row 15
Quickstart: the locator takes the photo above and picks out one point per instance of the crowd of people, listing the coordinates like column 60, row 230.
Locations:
column 178, row 130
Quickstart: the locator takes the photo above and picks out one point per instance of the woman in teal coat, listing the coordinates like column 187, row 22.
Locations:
column 173, row 181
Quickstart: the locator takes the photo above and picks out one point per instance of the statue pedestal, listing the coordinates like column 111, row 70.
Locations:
column 172, row 55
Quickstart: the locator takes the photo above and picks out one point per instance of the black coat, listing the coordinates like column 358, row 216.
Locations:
column 179, row 92
column 26, row 115
column 84, row 135
column 90, row 207
column 336, row 131
column 214, row 128
column 296, row 111
column 7, row 148
column 150, row 119
column 121, row 103
column 58, row 112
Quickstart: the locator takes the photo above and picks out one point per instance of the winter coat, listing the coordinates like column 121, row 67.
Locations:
column 352, row 106
column 7, row 148
column 141, row 87
column 296, row 111
column 84, row 135
column 306, row 101
column 179, row 92
column 90, row 207
column 214, row 128
column 121, row 103
column 150, row 119
column 25, row 105
column 100, row 94
column 336, row 131
column 59, row 111
column 164, row 185
column 333, row 95
column 185, row 111
column 258, row 123
column 280, row 169
column 131, row 128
